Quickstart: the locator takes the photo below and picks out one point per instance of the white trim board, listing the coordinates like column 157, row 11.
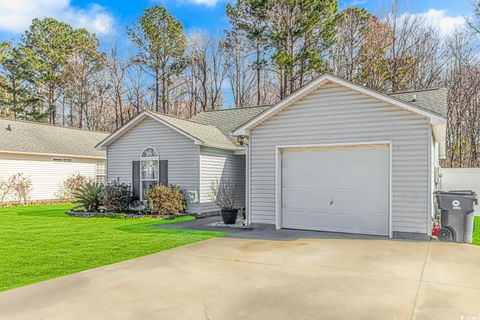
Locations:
column 278, row 175
column 245, row 128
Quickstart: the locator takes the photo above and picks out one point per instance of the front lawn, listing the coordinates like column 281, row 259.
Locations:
column 476, row 232
column 42, row 242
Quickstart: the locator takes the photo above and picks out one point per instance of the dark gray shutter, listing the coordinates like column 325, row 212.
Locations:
column 136, row 180
column 163, row 171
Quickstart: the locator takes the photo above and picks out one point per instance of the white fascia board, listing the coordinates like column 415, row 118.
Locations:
column 440, row 135
column 243, row 130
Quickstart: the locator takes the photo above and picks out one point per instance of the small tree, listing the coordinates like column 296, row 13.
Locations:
column 225, row 194
column 6, row 187
column 21, row 187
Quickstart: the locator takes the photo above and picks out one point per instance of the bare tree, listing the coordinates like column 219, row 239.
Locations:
column 117, row 72
column 207, row 59
column 241, row 75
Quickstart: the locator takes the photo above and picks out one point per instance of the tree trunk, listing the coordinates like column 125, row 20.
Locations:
column 164, row 90
column 258, row 74
column 157, row 105
column 51, row 104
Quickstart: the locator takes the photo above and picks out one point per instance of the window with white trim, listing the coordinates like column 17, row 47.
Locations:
column 149, row 169
column 100, row 172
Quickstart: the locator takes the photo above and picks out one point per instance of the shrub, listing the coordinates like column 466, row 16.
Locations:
column 74, row 182
column 6, row 187
column 225, row 194
column 166, row 199
column 17, row 186
column 117, row 196
column 90, row 196
column 22, row 187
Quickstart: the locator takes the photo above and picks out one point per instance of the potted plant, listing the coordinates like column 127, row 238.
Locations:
column 225, row 196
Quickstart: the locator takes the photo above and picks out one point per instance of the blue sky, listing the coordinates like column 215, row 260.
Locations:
column 108, row 18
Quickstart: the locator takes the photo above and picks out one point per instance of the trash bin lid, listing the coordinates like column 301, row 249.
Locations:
column 458, row 192
column 468, row 194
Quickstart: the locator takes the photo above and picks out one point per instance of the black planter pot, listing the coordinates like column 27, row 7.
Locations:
column 229, row 216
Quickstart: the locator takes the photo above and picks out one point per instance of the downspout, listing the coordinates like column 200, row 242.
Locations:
column 430, row 179
column 247, row 185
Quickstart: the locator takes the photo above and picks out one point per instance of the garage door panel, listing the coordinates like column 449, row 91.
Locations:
column 348, row 222
column 342, row 189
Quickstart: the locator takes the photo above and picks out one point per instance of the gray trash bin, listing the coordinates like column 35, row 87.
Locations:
column 456, row 215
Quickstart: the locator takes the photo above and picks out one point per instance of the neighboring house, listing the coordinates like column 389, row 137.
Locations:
column 48, row 155
column 333, row 156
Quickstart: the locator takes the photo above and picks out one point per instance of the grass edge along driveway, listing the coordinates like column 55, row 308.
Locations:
column 476, row 231
column 41, row 242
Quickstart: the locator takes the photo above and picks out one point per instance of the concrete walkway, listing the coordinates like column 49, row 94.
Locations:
column 229, row 278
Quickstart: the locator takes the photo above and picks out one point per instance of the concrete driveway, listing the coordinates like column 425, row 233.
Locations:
column 227, row 278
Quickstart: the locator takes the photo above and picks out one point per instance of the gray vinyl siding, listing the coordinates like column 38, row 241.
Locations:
column 182, row 155
column 336, row 114
column 219, row 164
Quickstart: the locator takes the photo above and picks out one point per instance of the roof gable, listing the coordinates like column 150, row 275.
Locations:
column 434, row 117
column 199, row 133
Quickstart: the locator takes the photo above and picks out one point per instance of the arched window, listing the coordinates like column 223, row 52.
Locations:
column 149, row 172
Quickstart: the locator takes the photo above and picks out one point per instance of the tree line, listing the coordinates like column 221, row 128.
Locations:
column 61, row 75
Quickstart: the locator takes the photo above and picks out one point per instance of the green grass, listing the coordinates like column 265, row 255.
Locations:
column 41, row 242
column 476, row 231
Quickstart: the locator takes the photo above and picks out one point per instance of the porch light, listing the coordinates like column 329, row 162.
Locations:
column 242, row 140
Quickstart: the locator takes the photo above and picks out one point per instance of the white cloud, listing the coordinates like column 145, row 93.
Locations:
column 208, row 3
column 440, row 20
column 16, row 15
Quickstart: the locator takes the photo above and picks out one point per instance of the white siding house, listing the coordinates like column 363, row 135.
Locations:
column 197, row 155
column 180, row 151
column 333, row 156
column 48, row 155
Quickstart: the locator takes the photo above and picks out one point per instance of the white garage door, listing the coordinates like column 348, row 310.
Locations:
column 340, row 189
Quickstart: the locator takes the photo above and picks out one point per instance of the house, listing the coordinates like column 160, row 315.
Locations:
column 48, row 155
column 333, row 156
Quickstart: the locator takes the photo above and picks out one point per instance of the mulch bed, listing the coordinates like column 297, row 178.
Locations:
column 89, row 214
column 33, row 202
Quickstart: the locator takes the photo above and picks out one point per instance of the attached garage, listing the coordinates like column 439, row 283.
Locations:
column 336, row 156
column 342, row 188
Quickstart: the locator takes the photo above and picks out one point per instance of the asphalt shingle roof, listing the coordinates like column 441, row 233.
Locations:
column 433, row 100
column 209, row 134
column 32, row 137
column 228, row 120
